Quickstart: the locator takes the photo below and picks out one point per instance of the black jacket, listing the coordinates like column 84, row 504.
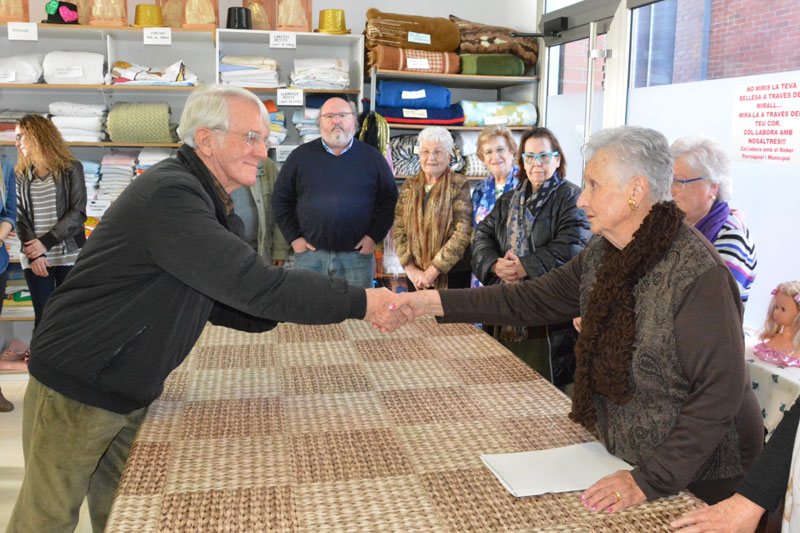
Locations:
column 70, row 209
column 159, row 266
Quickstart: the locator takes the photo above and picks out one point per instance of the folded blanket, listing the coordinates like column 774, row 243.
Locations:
column 90, row 168
column 262, row 62
column 492, row 65
column 410, row 31
column 152, row 155
column 70, row 109
column 140, row 122
column 25, row 68
column 119, row 157
column 85, row 123
column 477, row 38
column 453, row 115
column 412, row 95
column 87, row 137
column 254, row 74
column 311, row 113
column 321, row 79
column 73, row 68
column 391, row 58
column 321, row 63
column 80, row 132
column 494, row 113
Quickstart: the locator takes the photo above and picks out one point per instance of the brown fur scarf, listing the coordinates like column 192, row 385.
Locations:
column 605, row 346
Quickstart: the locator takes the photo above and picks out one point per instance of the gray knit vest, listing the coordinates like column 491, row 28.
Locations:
column 634, row 430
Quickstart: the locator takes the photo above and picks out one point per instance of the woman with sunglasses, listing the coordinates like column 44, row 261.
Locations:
column 533, row 229
column 702, row 188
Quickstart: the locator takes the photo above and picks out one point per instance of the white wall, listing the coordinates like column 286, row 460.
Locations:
column 767, row 193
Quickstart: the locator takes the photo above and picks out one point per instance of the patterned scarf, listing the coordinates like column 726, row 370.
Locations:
column 484, row 197
column 428, row 220
column 605, row 346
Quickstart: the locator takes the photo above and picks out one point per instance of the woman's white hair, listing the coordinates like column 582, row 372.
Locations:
column 638, row 151
column 709, row 159
column 438, row 135
column 207, row 107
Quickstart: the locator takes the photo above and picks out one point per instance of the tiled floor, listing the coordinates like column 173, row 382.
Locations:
column 11, row 462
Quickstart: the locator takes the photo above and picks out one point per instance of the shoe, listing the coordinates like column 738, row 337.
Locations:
column 5, row 405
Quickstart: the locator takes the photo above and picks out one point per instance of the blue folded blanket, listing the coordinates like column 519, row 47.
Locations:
column 412, row 95
column 90, row 168
column 453, row 115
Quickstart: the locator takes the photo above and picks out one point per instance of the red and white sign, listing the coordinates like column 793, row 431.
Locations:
column 766, row 122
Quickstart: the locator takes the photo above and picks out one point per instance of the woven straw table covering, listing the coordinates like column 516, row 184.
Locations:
column 339, row 428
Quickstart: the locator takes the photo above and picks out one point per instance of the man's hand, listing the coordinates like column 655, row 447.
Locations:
column 39, row 267
column 737, row 514
column 33, row 249
column 300, row 245
column 366, row 245
column 614, row 492
column 278, row 262
column 509, row 268
column 383, row 310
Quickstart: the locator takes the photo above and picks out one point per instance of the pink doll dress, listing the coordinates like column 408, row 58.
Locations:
column 776, row 357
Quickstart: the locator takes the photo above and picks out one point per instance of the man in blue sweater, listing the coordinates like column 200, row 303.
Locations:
column 334, row 199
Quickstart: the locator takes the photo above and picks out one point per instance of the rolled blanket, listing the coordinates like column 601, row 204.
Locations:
column 494, row 113
column 140, row 122
column 492, row 65
column 453, row 115
column 85, row 123
column 73, row 68
column 391, row 58
column 477, row 38
column 70, row 109
column 412, row 95
column 25, row 68
column 410, row 31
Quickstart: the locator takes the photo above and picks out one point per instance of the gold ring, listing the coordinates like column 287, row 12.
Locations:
column 619, row 497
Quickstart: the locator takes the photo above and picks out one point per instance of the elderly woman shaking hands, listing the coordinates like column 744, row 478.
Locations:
column 660, row 372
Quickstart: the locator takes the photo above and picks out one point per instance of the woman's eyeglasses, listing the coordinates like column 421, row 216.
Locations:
column 501, row 150
column 544, row 158
column 679, row 184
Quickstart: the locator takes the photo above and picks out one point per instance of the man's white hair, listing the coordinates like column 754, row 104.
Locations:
column 207, row 107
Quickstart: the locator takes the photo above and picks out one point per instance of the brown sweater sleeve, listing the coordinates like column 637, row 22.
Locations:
column 712, row 359
column 551, row 298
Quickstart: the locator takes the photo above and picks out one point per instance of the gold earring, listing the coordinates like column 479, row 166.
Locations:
column 632, row 204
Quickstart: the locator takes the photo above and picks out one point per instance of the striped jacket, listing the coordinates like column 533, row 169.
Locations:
column 738, row 250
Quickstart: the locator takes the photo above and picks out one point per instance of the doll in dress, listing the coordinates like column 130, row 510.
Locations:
column 780, row 339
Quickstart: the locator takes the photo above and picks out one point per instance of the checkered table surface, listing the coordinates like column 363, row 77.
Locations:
column 339, row 428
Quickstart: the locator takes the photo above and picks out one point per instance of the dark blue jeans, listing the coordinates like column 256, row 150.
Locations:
column 41, row 288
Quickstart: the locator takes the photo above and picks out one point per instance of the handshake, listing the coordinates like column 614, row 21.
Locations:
column 387, row 311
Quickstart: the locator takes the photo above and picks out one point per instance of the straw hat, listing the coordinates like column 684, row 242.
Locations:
column 148, row 16
column 332, row 21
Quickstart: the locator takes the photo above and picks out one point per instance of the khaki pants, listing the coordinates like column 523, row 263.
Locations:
column 72, row 451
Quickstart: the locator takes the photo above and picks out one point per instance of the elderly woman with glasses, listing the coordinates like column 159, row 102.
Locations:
column 702, row 188
column 534, row 228
column 660, row 376
column 433, row 218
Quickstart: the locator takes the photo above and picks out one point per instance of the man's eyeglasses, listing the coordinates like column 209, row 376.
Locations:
column 501, row 150
column 679, row 184
column 332, row 116
column 252, row 138
column 544, row 158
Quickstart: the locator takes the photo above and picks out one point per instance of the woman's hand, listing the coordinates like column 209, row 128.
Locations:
column 429, row 276
column 509, row 268
column 34, row 249
column 39, row 267
column 414, row 275
column 737, row 514
column 614, row 492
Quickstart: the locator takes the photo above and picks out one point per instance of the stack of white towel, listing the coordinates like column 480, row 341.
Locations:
column 150, row 156
column 306, row 122
column 321, row 73
column 79, row 122
column 249, row 71
column 116, row 173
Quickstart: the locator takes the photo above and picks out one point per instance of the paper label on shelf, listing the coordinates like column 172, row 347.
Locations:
column 282, row 151
column 421, row 38
column 415, row 113
column 7, row 76
column 279, row 39
column 23, row 31
column 290, row 97
column 69, row 72
column 418, row 62
column 97, row 208
column 162, row 36
column 494, row 121
column 413, row 95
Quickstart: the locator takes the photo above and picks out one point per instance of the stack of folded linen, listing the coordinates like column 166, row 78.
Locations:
column 249, row 71
column 175, row 74
column 150, row 156
column 26, row 68
column 306, row 122
column 73, row 68
column 321, row 73
column 91, row 170
column 402, row 102
column 79, row 122
column 8, row 123
column 116, row 173
column 277, row 124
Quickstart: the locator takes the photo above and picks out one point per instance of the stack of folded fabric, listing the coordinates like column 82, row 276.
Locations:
column 79, row 122
column 117, row 170
column 277, row 124
column 402, row 102
column 175, row 74
column 25, row 68
column 249, row 71
column 150, row 156
column 485, row 49
column 307, row 124
column 494, row 113
column 140, row 122
column 91, row 170
column 8, row 123
column 321, row 73
column 385, row 57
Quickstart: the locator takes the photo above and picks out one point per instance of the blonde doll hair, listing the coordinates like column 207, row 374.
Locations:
column 792, row 289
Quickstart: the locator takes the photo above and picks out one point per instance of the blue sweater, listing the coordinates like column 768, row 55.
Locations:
column 333, row 201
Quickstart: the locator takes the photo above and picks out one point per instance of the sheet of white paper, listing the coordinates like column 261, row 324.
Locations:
column 565, row 469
